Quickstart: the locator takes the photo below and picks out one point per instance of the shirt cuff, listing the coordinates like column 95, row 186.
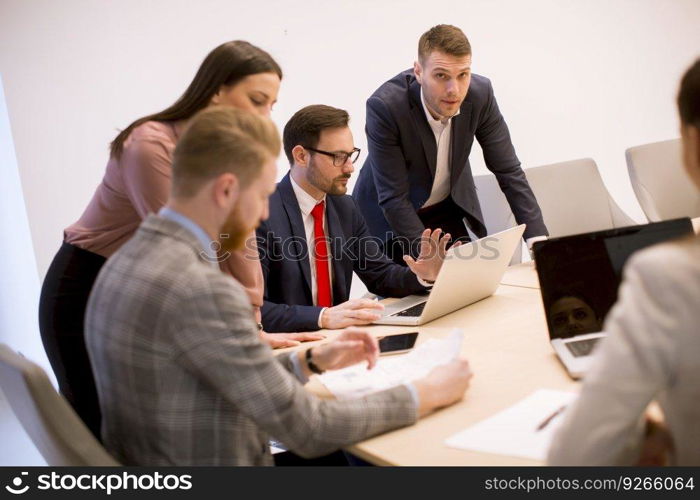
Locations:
column 320, row 316
column 531, row 241
column 296, row 369
column 414, row 393
column 424, row 283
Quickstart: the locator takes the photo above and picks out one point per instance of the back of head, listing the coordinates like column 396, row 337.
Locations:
column 443, row 38
column 305, row 126
column 689, row 96
column 227, row 64
column 222, row 140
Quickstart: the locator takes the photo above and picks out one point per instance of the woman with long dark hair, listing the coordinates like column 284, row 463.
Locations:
column 137, row 182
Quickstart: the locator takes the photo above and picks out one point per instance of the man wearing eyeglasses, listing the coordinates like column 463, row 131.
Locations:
column 315, row 237
column 420, row 128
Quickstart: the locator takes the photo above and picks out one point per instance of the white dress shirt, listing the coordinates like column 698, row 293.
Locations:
column 441, row 184
column 306, row 205
column 443, row 133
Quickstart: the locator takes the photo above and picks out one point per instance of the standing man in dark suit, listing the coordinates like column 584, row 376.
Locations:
column 420, row 128
column 315, row 236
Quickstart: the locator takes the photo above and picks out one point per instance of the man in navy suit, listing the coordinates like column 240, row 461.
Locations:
column 420, row 128
column 315, row 237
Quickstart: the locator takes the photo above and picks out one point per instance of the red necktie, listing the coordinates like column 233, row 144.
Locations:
column 323, row 280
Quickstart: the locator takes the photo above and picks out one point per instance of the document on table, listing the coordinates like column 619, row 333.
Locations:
column 524, row 430
column 390, row 371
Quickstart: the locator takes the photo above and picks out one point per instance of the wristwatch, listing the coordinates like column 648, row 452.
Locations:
column 309, row 362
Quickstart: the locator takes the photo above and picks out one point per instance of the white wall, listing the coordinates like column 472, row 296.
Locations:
column 19, row 282
column 573, row 78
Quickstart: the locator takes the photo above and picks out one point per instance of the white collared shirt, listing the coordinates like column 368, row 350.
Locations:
column 306, row 205
column 441, row 183
column 443, row 133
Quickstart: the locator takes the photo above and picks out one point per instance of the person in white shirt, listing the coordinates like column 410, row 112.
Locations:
column 421, row 126
column 315, row 237
column 652, row 352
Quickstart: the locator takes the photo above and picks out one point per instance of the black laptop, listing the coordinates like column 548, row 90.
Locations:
column 579, row 277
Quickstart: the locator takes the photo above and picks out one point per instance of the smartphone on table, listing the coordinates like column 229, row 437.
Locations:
column 396, row 344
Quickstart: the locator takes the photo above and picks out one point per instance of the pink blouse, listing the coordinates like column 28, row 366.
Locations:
column 138, row 184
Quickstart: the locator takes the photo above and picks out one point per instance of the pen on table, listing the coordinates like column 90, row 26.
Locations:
column 550, row 417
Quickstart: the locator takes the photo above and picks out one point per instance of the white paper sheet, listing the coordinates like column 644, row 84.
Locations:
column 356, row 381
column 513, row 431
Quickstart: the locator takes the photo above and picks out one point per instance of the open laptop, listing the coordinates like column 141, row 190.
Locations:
column 470, row 272
column 579, row 277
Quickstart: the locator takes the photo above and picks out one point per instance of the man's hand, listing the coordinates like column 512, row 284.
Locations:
column 351, row 313
column 351, row 347
column 443, row 386
column 433, row 246
column 282, row 340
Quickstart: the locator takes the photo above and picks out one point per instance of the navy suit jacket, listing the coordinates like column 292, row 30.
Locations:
column 288, row 304
column 396, row 179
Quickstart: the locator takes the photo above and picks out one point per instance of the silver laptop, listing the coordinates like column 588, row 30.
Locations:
column 579, row 277
column 469, row 273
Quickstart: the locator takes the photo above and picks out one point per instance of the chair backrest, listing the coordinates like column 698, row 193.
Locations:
column 660, row 182
column 495, row 209
column 56, row 430
column 574, row 199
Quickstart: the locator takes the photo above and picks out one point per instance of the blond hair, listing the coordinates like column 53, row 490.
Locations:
column 219, row 140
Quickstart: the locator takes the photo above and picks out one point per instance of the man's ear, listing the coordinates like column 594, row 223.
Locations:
column 300, row 155
column 226, row 190
column 418, row 71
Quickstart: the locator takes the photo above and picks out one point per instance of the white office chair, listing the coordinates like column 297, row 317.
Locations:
column 574, row 199
column 660, row 182
column 54, row 428
column 495, row 209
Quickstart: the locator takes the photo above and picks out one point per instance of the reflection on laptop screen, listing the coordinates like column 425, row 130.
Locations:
column 579, row 275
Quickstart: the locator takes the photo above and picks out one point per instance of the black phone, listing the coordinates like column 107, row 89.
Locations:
column 395, row 344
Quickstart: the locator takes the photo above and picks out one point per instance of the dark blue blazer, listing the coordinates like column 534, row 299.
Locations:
column 396, row 179
column 288, row 305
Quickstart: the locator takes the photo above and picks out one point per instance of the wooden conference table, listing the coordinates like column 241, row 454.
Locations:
column 507, row 345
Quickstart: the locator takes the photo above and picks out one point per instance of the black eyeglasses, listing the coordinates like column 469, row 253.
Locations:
column 340, row 158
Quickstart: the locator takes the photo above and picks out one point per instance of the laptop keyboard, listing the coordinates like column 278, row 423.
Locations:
column 581, row 347
column 414, row 311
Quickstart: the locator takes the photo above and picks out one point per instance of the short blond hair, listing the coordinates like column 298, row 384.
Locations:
column 223, row 139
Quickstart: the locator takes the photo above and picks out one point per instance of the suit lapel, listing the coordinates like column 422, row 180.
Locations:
column 458, row 148
column 424, row 131
column 337, row 239
column 291, row 206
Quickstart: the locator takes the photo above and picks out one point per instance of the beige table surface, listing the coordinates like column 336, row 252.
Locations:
column 506, row 342
column 523, row 275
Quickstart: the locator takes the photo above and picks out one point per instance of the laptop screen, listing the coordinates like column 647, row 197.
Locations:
column 580, row 274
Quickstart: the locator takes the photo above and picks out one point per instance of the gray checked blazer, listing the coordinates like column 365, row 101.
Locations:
column 183, row 378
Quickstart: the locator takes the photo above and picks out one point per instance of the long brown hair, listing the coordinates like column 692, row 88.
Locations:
column 225, row 65
column 689, row 96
